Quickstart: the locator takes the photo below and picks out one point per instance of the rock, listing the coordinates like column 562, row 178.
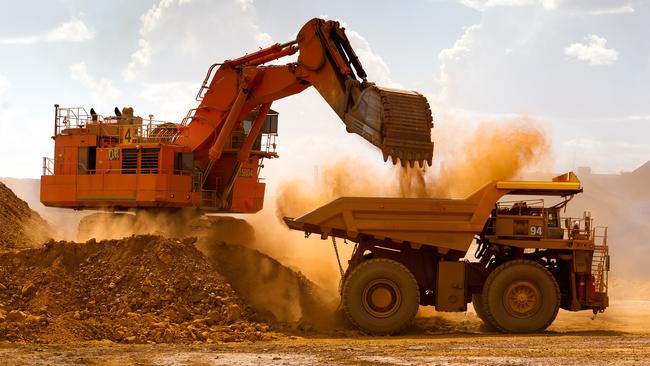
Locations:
column 28, row 289
column 215, row 316
column 202, row 336
column 77, row 315
column 168, row 336
column 201, row 322
column 262, row 327
column 130, row 339
column 160, row 325
column 16, row 316
column 2, row 287
column 233, row 313
column 230, row 338
column 305, row 326
column 35, row 319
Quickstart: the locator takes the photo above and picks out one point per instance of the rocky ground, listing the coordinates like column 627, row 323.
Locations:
column 434, row 341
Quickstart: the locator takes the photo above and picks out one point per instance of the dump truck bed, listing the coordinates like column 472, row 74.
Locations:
column 444, row 223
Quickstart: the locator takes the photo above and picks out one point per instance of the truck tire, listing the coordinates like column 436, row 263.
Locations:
column 380, row 296
column 520, row 296
column 477, row 303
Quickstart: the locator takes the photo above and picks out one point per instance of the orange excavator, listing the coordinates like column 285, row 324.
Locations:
column 212, row 159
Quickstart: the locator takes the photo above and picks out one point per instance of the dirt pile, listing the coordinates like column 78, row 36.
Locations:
column 276, row 292
column 139, row 289
column 20, row 227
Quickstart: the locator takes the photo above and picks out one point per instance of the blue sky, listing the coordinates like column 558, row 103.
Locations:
column 581, row 68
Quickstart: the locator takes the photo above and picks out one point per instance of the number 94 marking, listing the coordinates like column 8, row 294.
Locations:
column 535, row 231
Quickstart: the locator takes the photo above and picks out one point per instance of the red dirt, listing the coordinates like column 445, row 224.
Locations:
column 20, row 226
column 136, row 290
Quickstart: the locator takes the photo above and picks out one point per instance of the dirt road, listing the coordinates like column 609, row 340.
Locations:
column 573, row 348
column 619, row 337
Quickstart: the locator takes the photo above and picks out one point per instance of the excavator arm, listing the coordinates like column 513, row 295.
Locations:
column 396, row 121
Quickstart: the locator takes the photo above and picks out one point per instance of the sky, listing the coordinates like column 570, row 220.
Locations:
column 580, row 68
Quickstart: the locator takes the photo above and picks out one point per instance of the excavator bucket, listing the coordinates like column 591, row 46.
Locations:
column 399, row 122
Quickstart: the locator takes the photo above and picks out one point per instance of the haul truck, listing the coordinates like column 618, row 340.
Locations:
column 530, row 262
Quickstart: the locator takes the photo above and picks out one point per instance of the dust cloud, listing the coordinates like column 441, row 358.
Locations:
column 500, row 150
column 495, row 150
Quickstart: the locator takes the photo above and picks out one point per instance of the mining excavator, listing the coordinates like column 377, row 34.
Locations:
column 211, row 161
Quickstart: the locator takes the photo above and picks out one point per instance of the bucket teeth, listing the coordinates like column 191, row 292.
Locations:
column 404, row 160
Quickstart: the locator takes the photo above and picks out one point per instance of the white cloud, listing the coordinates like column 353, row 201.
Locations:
column 637, row 117
column 72, row 31
column 139, row 59
column 482, row 5
column 4, row 85
column 448, row 56
column 264, row 39
column 171, row 37
column 174, row 99
column 245, row 4
column 624, row 9
column 610, row 156
column 20, row 40
column 595, row 51
column 374, row 65
column 28, row 162
column 594, row 7
column 462, row 46
column 101, row 89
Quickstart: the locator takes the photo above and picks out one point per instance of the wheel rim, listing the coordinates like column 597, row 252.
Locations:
column 522, row 299
column 381, row 298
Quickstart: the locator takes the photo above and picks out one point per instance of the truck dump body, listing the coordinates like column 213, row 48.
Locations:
column 443, row 223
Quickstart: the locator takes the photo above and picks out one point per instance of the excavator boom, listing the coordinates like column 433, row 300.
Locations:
column 396, row 121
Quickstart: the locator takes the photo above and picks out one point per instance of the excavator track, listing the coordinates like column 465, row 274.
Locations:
column 399, row 122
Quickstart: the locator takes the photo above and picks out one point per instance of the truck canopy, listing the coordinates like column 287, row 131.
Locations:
column 444, row 223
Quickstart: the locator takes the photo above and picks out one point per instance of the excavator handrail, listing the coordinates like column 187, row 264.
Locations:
column 204, row 85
